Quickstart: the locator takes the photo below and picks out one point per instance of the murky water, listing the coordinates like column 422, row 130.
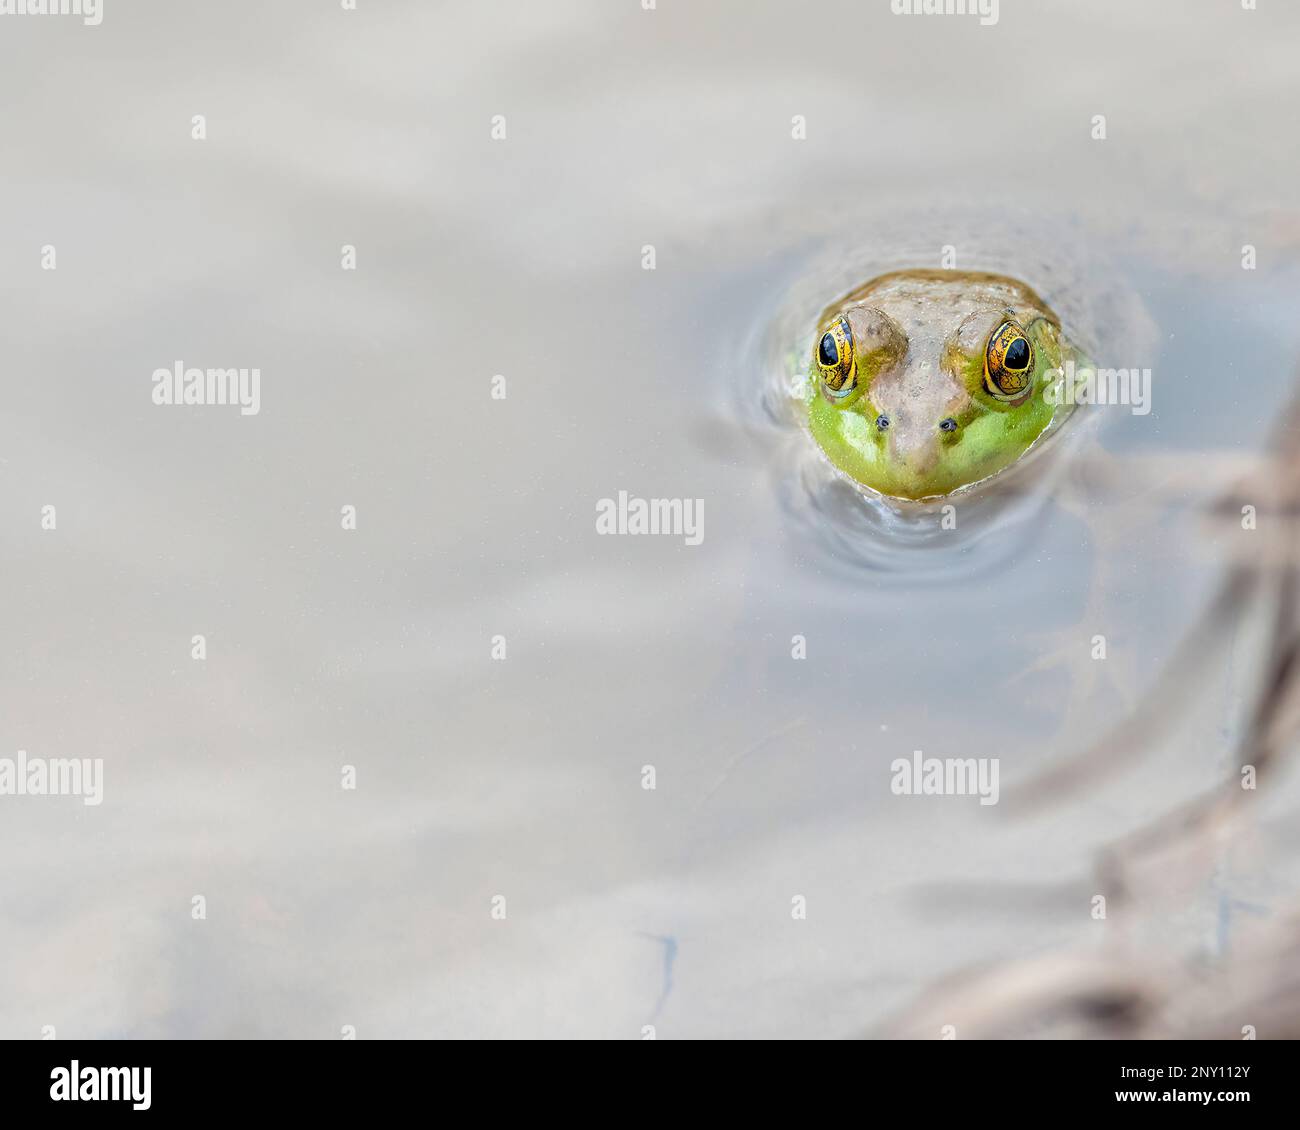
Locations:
column 522, row 777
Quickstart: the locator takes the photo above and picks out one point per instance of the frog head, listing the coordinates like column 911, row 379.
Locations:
column 922, row 383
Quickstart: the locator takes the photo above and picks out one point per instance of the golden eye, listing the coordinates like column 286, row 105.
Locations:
column 836, row 362
column 1008, row 363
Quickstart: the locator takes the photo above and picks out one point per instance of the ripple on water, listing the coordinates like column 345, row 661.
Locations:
column 973, row 530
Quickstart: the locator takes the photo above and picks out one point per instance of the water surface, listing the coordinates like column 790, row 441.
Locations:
column 522, row 777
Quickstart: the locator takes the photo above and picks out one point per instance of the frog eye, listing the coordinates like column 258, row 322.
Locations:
column 836, row 362
column 1008, row 363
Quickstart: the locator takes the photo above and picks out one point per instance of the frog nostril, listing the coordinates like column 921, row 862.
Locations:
column 882, row 421
column 948, row 425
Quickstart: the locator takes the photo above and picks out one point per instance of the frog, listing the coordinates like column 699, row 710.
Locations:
column 925, row 383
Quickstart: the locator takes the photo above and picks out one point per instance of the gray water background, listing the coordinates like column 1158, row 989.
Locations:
column 476, row 517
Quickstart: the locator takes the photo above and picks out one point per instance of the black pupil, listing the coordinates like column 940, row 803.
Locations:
column 827, row 352
column 1017, row 354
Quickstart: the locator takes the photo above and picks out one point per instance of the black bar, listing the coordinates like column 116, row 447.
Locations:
column 339, row 1079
